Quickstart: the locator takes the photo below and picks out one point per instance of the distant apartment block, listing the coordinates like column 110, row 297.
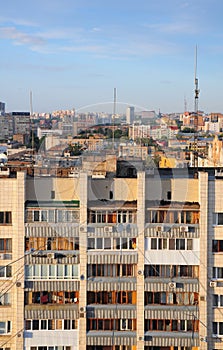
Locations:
column 21, row 123
column 6, row 126
column 130, row 114
column 2, row 108
column 130, row 150
column 148, row 114
column 154, row 131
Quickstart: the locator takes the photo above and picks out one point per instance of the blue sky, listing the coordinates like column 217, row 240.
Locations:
column 71, row 54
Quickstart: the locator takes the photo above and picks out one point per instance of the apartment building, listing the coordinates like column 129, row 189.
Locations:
column 116, row 263
column 12, row 199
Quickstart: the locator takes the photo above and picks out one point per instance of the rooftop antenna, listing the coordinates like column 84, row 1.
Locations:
column 196, row 96
column 185, row 104
column 113, row 117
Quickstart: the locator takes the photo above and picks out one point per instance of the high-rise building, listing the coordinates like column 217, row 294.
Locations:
column 130, row 113
column 122, row 263
column 21, row 123
column 2, row 108
column 6, row 126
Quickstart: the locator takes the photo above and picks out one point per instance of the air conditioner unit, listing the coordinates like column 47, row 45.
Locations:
column 203, row 339
column 141, row 338
column 2, row 256
column 183, row 228
column 159, row 228
column 172, row 285
column 50, row 255
column 20, row 284
column 140, row 272
column 108, row 229
column 82, row 309
column 213, row 284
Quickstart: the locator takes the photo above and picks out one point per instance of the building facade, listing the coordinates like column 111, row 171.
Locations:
column 116, row 263
column 130, row 114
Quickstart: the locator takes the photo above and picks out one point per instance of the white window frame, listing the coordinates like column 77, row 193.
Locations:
column 5, row 268
column 6, row 327
column 95, row 244
column 75, row 322
column 5, row 299
column 35, row 272
column 167, row 245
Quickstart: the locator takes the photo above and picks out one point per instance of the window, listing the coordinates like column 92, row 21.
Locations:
column 218, row 272
column 36, row 215
column 111, row 270
column 5, row 245
column 217, row 300
column 36, row 325
column 120, row 216
column 169, row 271
column 44, row 271
column 217, row 328
column 122, row 297
column 109, row 243
column 5, row 271
column 217, row 246
column 218, row 219
column 171, row 298
column 172, row 325
column 111, row 324
column 169, row 195
column 52, row 243
column 5, row 299
column 171, row 244
column 172, row 216
column 5, row 327
column 52, row 215
column 5, row 217
column 153, row 243
column 50, row 348
column 180, row 244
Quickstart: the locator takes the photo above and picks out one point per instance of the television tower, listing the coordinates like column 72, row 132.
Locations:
column 113, row 117
column 31, row 117
column 196, row 96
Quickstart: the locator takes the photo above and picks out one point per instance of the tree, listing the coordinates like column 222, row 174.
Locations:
column 74, row 150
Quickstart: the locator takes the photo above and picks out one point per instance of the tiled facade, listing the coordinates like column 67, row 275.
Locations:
column 114, row 263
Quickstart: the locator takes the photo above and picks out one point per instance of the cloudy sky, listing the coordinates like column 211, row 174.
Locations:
column 73, row 53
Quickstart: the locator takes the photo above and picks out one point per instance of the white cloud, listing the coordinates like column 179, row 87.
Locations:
column 18, row 21
column 174, row 27
column 19, row 37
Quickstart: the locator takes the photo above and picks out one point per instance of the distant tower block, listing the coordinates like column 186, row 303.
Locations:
column 130, row 113
column 2, row 108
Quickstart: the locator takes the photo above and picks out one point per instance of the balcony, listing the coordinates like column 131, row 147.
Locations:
column 48, row 229
column 52, row 256
column 159, row 338
column 52, row 311
column 111, row 311
column 108, row 338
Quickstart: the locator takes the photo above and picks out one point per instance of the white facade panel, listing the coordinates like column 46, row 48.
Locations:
column 51, row 338
column 172, row 257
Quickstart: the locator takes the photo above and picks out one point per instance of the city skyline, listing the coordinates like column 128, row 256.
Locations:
column 73, row 54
